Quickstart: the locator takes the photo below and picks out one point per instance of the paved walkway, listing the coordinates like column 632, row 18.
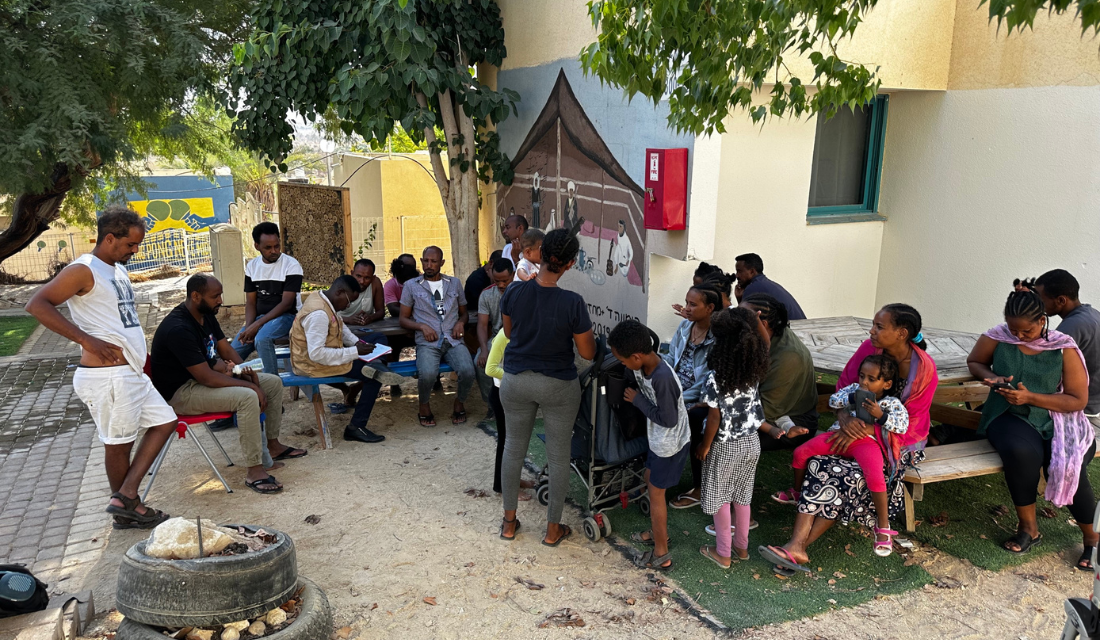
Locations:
column 53, row 486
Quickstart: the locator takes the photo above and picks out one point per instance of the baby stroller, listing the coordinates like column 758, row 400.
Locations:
column 608, row 447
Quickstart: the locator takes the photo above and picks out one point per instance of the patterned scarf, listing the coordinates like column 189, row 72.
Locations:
column 1073, row 432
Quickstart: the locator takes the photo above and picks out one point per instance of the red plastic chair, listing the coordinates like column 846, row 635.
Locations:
column 183, row 429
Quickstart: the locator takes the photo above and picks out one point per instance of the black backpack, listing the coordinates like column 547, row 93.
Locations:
column 20, row 591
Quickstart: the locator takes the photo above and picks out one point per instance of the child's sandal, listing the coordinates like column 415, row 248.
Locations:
column 788, row 496
column 884, row 548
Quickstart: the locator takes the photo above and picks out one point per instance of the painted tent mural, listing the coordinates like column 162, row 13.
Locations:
column 567, row 177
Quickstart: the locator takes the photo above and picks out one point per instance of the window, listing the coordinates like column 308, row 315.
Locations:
column 848, row 161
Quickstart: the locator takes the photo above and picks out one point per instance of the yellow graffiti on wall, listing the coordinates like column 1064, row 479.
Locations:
column 189, row 214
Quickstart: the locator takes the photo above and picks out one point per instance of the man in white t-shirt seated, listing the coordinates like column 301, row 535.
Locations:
column 272, row 282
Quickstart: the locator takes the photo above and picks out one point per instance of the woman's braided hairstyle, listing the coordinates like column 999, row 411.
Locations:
column 771, row 311
column 722, row 282
column 559, row 248
column 739, row 358
column 710, row 295
column 908, row 318
column 1027, row 305
column 704, row 270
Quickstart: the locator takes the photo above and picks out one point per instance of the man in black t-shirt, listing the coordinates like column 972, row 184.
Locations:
column 197, row 371
column 272, row 282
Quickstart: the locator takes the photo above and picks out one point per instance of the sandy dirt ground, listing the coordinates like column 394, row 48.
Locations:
column 397, row 526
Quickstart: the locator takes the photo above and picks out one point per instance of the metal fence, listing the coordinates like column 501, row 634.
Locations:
column 47, row 254
column 173, row 247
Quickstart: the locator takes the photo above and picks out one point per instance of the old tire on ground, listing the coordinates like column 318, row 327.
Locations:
column 314, row 622
column 207, row 591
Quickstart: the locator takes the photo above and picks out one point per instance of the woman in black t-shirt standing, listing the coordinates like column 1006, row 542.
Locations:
column 543, row 322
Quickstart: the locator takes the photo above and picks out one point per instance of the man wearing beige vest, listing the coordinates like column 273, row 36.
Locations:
column 322, row 347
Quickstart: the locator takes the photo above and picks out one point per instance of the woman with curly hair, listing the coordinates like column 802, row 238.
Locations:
column 730, row 447
column 543, row 322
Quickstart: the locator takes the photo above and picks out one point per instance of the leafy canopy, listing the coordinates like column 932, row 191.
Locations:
column 711, row 57
column 96, row 84
column 368, row 64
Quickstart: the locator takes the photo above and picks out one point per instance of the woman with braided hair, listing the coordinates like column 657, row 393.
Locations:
column 1034, row 417
column 543, row 323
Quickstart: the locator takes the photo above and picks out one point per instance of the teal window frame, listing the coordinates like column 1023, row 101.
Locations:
column 872, row 173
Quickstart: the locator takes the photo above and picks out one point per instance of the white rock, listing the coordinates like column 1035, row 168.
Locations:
column 237, row 626
column 177, row 538
column 275, row 616
column 231, row 634
column 200, row 634
column 257, row 628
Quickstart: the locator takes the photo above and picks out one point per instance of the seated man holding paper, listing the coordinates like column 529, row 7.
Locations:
column 321, row 346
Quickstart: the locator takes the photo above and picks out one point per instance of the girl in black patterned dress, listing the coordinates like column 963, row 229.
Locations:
column 730, row 447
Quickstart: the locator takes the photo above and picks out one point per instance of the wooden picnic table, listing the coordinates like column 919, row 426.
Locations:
column 833, row 341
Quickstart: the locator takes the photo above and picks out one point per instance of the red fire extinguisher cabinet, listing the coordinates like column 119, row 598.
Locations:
column 666, row 179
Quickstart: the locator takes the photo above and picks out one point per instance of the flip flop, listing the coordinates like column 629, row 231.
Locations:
column 426, row 421
column 695, row 502
column 458, row 417
column 637, row 537
column 1025, row 542
column 787, row 496
column 568, row 532
column 783, row 571
column 336, row 408
column 1086, row 557
column 781, row 557
column 268, row 481
column 648, row 561
column 705, row 552
column 290, row 453
column 752, row 525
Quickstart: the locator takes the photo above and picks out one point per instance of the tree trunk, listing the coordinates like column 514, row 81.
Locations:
column 33, row 213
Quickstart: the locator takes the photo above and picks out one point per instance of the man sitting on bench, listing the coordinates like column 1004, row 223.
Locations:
column 433, row 306
column 196, row 370
column 321, row 346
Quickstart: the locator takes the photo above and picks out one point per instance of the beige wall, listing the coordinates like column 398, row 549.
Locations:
column 541, row 31
column 984, row 186
column 1054, row 53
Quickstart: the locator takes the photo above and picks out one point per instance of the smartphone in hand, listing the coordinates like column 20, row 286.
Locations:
column 1007, row 386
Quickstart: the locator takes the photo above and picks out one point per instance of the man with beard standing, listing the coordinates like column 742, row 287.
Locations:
column 196, row 369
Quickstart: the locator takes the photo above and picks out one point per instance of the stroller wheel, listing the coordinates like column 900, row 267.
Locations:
column 591, row 529
column 542, row 492
column 605, row 525
column 643, row 505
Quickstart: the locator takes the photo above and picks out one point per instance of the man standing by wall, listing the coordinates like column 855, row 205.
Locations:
column 272, row 281
column 749, row 269
column 111, row 379
column 433, row 306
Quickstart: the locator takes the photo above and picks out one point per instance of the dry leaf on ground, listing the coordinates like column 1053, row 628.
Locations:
column 940, row 520
column 562, row 618
column 530, row 584
column 430, row 600
column 313, row 518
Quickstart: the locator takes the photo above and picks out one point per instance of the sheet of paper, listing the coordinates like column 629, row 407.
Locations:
column 379, row 351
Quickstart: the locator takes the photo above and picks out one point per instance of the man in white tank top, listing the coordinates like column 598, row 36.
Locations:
column 110, row 380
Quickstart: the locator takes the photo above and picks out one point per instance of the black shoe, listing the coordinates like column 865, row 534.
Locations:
column 223, row 424
column 395, row 391
column 362, row 434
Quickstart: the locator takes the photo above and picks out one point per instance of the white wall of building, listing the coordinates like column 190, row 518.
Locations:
column 984, row 186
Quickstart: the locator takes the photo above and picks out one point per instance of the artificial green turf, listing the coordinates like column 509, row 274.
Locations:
column 14, row 331
column 749, row 594
column 974, row 532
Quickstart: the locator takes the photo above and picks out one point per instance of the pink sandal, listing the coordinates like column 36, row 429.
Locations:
column 884, row 548
column 789, row 496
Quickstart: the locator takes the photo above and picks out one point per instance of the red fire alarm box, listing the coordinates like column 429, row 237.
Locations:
column 666, row 177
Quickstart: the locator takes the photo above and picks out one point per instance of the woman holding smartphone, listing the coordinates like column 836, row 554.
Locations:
column 1034, row 417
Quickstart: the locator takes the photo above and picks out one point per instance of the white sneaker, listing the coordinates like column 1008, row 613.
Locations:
column 752, row 525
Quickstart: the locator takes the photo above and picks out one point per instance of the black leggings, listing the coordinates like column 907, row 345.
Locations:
column 697, row 421
column 498, row 413
column 1024, row 452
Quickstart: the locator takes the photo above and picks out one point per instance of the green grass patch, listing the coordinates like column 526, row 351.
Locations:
column 14, row 331
column 749, row 594
column 975, row 532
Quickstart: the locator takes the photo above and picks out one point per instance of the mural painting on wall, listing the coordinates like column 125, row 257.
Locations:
column 566, row 177
column 189, row 214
